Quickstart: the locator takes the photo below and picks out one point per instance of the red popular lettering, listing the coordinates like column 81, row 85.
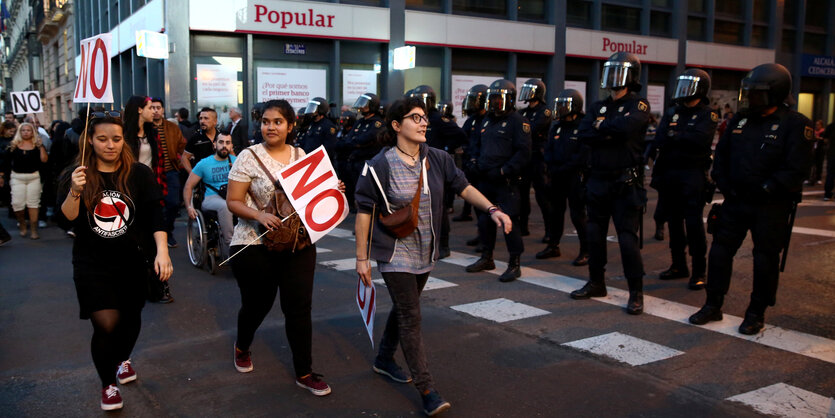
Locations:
column 324, row 226
column 632, row 48
column 293, row 18
column 311, row 163
column 99, row 90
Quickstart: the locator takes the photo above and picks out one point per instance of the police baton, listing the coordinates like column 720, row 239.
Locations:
column 792, row 215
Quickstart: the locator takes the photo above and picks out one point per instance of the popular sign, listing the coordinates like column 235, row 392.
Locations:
column 24, row 102
column 94, row 82
column 367, row 302
column 312, row 188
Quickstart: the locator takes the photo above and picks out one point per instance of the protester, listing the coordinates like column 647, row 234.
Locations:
column 171, row 146
column 7, row 133
column 27, row 154
column 115, row 206
column 260, row 273
column 390, row 182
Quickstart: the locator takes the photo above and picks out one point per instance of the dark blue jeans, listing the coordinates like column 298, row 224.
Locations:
column 403, row 325
column 172, row 199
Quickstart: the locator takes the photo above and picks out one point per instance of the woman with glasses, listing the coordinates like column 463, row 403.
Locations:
column 390, row 182
column 115, row 206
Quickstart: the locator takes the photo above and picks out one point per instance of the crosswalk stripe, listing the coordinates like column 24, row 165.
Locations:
column 625, row 348
column 500, row 310
column 793, row 341
column 320, row 250
column 787, row 401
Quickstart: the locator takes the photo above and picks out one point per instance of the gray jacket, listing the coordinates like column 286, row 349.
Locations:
column 440, row 173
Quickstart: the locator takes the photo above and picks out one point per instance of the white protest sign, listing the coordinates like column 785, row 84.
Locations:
column 312, row 188
column 367, row 302
column 356, row 83
column 461, row 84
column 217, row 84
column 24, row 102
column 94, row 82
column 655, row 97
column 296, row 85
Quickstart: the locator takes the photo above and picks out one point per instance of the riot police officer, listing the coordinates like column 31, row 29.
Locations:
column 474, row 109
column 539, row 116
column 362, row 140
column 499, row 152
column 683, row 140
column 442, row 133
column 614, row 129
column 566, row 157
column 760, row 163
column 447, row 109
column 321, row 131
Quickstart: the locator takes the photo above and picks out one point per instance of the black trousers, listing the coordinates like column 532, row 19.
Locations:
column 683, row 204
column 609, row 199
column 830, row 173
column 534, row 175
column 506, row 196
column 567, row 187
column 768, row 223
column 261, row 274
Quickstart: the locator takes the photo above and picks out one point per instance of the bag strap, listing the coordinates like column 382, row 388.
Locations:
column 264, row 168
column 416, row 198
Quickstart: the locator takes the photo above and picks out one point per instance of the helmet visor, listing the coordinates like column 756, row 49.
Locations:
column 615, row 75
column 687, row 86
column 471, row 104
column 564, row 106
column 528, row 92
column 424, row 97
column 753, row 98
column 443, row 108
column 499, row 101
column 312, row 106
column 361, row 102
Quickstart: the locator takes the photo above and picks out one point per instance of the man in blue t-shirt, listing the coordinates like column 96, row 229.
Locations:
column 214, row 172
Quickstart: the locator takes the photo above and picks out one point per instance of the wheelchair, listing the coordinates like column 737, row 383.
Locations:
column 203, row 234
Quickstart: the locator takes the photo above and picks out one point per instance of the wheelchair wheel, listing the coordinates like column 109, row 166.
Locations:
column 211, row 263
column 197, row 240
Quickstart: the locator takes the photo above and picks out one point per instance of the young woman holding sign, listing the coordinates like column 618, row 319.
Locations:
column 393, row 179
column 259, row 272
column 116, row 210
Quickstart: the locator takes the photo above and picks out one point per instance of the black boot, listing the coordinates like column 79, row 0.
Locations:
column 752, row 324
column 483, row 263
column 707, row 314
column 581, row 260
column 635, row 306
column 551, row 251
column 592, row 289
column 513, row 272
column 676, row 271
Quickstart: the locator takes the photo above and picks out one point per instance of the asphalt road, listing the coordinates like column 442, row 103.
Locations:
column 538, row 353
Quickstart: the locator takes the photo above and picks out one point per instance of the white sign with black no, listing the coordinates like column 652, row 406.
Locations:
column 24, row 102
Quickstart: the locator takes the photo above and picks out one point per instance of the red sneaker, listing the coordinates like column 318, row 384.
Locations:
column 314, row 384
column 111, row 399
column 243, row 361
column 126, row 373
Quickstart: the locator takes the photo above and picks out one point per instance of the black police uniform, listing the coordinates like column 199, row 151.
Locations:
column 363, row 144
column 683, row 139
column 444, row 134
column 319, row 133
column 760, row 164
column 501, row 149
column 615, row 185
column 471, row 128
column 566, row 157
column 539, row 117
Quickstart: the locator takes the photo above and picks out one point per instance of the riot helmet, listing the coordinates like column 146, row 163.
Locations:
column 369, row 100
column 347, row 118
column 692, row 84
column 317, row 106
column 446, row 108
column 533, row 89
column 424, row 93
column 621, row 70
column 765, row 86
column 501, row 97
column 475, row 100
column 568, row 102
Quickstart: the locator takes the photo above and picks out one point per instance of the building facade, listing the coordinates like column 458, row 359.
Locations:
column 57, row 38
column 239, row 52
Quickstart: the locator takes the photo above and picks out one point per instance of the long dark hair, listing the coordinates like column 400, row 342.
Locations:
column 94, row 187
column 131, row 127
column 287, row 112
column 396, row 112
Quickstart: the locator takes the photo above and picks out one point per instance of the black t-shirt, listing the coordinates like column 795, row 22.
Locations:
column 200, row 146
column 26, row 161
column 105, row 243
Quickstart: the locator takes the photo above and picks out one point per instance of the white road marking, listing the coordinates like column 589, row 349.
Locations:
column 787, row 401
column 625, row 348
column 320, row 250
column 341, row 233
column 500, row 310
column 432, row 283
column 344, row 264
column 793, row 341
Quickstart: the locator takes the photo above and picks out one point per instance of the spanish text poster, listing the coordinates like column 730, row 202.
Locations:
column 655, row 97
column 296, row 85
column 217, row 84
column 356, row 83
column 461, row 84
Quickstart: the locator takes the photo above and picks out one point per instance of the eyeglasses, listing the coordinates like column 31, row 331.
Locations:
column 416, row 117
column 106, row 114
